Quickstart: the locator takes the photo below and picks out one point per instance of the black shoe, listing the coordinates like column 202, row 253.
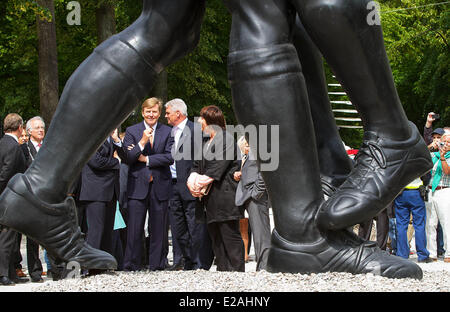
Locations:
column 6, row 281
column 21, row 280
column 426, row 260
column 54, row 226
column 337, row 251
column 190, row 266
column 176, row 267
column 383, row 167
column 37, row 280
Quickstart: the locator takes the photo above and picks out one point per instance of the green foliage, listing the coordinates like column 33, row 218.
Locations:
column 201, row 77
column 416, row 42
column 19, row 91
column 417, row 46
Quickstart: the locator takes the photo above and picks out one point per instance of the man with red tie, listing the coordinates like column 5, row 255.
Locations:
column 148, row 146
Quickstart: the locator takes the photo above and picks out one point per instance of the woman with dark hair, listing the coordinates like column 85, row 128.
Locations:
column 211, row 182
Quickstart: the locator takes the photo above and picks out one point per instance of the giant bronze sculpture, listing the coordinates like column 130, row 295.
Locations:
column 268, row 50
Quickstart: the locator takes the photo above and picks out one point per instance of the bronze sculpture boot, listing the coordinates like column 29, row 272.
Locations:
column 383, row 168
column 338, row 251
column 54, row 226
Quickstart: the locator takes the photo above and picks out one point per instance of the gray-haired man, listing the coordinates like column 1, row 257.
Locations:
column 191, row 237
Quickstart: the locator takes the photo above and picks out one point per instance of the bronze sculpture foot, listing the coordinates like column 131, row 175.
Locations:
column 54, row 226
column 383, row 168
column 337, row 251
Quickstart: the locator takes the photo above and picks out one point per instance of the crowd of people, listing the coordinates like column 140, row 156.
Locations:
column 155, row 179
column 147, row 182
column 422, row 209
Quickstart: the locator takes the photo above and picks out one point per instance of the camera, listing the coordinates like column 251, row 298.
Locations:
column 441, row 144
column 436, row 117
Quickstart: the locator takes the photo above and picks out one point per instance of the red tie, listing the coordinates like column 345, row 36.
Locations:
column 39, row 145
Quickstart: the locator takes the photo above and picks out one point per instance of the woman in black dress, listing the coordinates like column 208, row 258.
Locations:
column 211, row 182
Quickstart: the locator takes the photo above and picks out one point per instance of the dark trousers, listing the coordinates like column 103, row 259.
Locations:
column 227, row 245
column 117, row 249
column 176, row 248
column 189, row 234
column 157, row 228
column 440, row 240
column 205, row 255
column 258, row 217
column 382, row 229
column 17, row 254
column 33, row 262
column 100, row 223
column 8, row 241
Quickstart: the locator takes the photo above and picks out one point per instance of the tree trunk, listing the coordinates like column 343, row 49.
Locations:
column 48, row 63
column 106, row 22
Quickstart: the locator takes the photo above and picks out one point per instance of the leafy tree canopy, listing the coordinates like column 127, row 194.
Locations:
column 416, row 36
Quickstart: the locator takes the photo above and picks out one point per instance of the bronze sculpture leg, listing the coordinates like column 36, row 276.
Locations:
column 335, row 165
column 393, row 152
column 268, row 87
column 100, row 94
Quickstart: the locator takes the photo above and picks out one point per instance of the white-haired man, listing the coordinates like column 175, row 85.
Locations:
column 191, row 237
column 35, row 128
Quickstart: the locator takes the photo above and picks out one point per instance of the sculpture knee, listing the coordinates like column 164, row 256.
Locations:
column 165, row 31
column 332, row 13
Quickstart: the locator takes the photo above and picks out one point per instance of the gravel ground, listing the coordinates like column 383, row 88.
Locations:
column 436, row 279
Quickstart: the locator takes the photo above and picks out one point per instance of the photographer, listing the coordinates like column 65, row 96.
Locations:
column 438, row 207
column 432, row 137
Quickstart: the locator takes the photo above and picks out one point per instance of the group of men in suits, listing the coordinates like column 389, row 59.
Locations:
column 156, row 187
column 159, row 160
column 15, row 158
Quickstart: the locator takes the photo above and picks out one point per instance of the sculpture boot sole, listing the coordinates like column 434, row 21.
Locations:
column 338, row 251
column 383, row 168
column 54, row 226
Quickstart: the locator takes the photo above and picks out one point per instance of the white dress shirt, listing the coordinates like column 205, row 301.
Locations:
column 36, row 145
column 147, row 127
column 177, row 131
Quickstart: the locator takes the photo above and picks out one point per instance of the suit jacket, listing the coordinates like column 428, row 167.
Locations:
column 26, row 152
column 100, row 176
column 12, row 160
column 160, row 158
column 219, row 203
column 251, row 185
column 30, row 152
column 184, row 154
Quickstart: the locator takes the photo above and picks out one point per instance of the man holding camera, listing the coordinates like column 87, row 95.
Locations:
column 432, row 137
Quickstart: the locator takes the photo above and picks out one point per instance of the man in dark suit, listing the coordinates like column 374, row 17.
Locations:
column 100, row 191
column 192, row 237
column 12, row 161
column 148, row 152
column 35, row 128
column 252, row 195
